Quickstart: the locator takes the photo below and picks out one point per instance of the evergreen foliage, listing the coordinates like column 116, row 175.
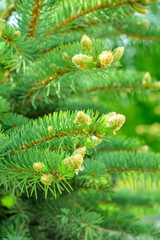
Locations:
column 71, row 73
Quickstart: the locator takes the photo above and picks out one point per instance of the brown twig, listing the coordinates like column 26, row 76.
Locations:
column 46, row 81
column 120, row 87
column 114, row 149
column 50, row 137
column 35, row 14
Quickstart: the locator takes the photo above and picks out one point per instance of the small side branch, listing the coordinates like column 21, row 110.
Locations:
column 92, row 9
column 48, row 138
column 114, row 170
column 117, row 87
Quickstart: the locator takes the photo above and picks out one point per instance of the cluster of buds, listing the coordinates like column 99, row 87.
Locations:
column 81, row 151
column 47, row 179
column 117, row 53
column 39, row 167
column 17, row 34
column 82, row 61
column 74, row 162
column 114, row 120
column 85, row 62
column 82, row 119
column 105, row 58
column 86, row 44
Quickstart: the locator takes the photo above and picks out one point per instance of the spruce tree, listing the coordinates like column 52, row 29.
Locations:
column 76, row 79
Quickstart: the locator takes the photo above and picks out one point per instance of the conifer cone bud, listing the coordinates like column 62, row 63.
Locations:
column 47, row 179
column 39, row 167
column 82, row 61
column 82, row 119
column 86, row 43
column 114, row 120
column 106, row 58
column 74, row 162
column 80, row 151
column 17, row 34
column 146, row 79
column 117, row 53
